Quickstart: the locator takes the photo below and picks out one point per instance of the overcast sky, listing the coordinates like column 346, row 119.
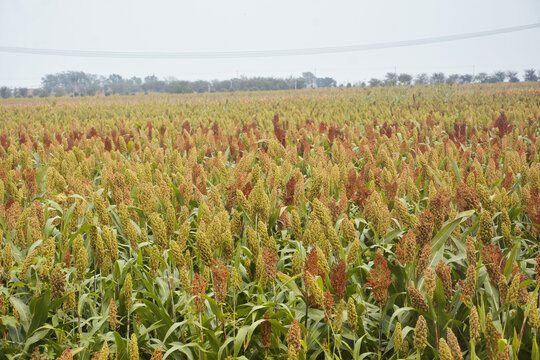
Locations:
column 178, row 26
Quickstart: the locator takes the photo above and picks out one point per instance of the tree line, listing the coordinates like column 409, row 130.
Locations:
column 79, row 83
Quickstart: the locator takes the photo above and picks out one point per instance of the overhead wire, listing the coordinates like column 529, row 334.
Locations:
column 260, row 53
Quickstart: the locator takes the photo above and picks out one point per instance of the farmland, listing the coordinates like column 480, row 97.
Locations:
column 375, row 223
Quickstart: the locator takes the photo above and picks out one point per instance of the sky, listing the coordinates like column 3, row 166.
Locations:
column 187, row 26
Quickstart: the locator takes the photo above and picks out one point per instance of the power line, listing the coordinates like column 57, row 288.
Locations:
column 261, row 53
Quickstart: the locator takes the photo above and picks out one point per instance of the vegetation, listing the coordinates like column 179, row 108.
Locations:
column 374, row 223
column 78, row 83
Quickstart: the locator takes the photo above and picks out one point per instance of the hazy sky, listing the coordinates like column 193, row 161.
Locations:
column 177, row 26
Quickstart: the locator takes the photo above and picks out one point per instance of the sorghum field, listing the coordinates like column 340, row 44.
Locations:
column 384, row 223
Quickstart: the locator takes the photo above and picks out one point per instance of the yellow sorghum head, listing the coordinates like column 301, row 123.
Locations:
column 7, row 258
column 398, row 338
column 420, row 334
column 471, row 279
column 159, row 230
column 133, row 348
column 423, row 259
column 252, row 241
column 58, row 283
column 81, row 263
column 128, row 291
column 184, row 280
column 352, row 315
column 259, row 202
column 315, row 290
column 532, row 314
column 348, row 230
column 70, row 303
column 154, row 256
column 453, row 344
column 492, row 338
column 296, row 225
column 474, row 324
column 338, row 318
column 322, row 262
column 131, row 233
column 110, row 242
column 243, row 202
column 104, row 353
column 260, row 271
column 203, row 247
column 417, row 299
column 513, row 291
column 101, row 209
column 402, row 212
column 123, row 214
column 147, row 198
column 177, row 254
column 352, row 253
column 444, row 273
column 471, row 251
column 236, row 223
column 485, row 228
column 112, row 315
column 296, row 263
column 236, row 279
column 183, row 234
column 444, row 350
column 429, row 277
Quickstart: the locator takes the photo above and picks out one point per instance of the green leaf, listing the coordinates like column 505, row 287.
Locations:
column 121, row 346
column 23, row 310
column 39, row 309
column 245, row 333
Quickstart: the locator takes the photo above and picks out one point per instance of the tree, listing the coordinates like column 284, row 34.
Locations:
column 453, row 79
column 499, row 76
column 530, row 75
column 5, row 92
column 326, row 82
column 390, row 79
column 437, row 78
column 310, row 79
column 482, row 78
column 421, row 79
column 375, row 82
column 466, row 78
column 512, row 76
column 404, row 79
column 21, row 92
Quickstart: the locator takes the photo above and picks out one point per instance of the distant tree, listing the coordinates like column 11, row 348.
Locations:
column 438, row 78
column 499, row 76
column 530, row 75
column 44, row 93
column 310, row 79
column 482, row 78
column 179, row 87
column 512, row 76
column 453, row 79
column 404, row 79
column 465, row 79
column 390, row 79
column 59, row 92
column 136, row 80
column 21, row 92
column 326, row 82
column 375, row 82
column 421, row 79
column 5, row 92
